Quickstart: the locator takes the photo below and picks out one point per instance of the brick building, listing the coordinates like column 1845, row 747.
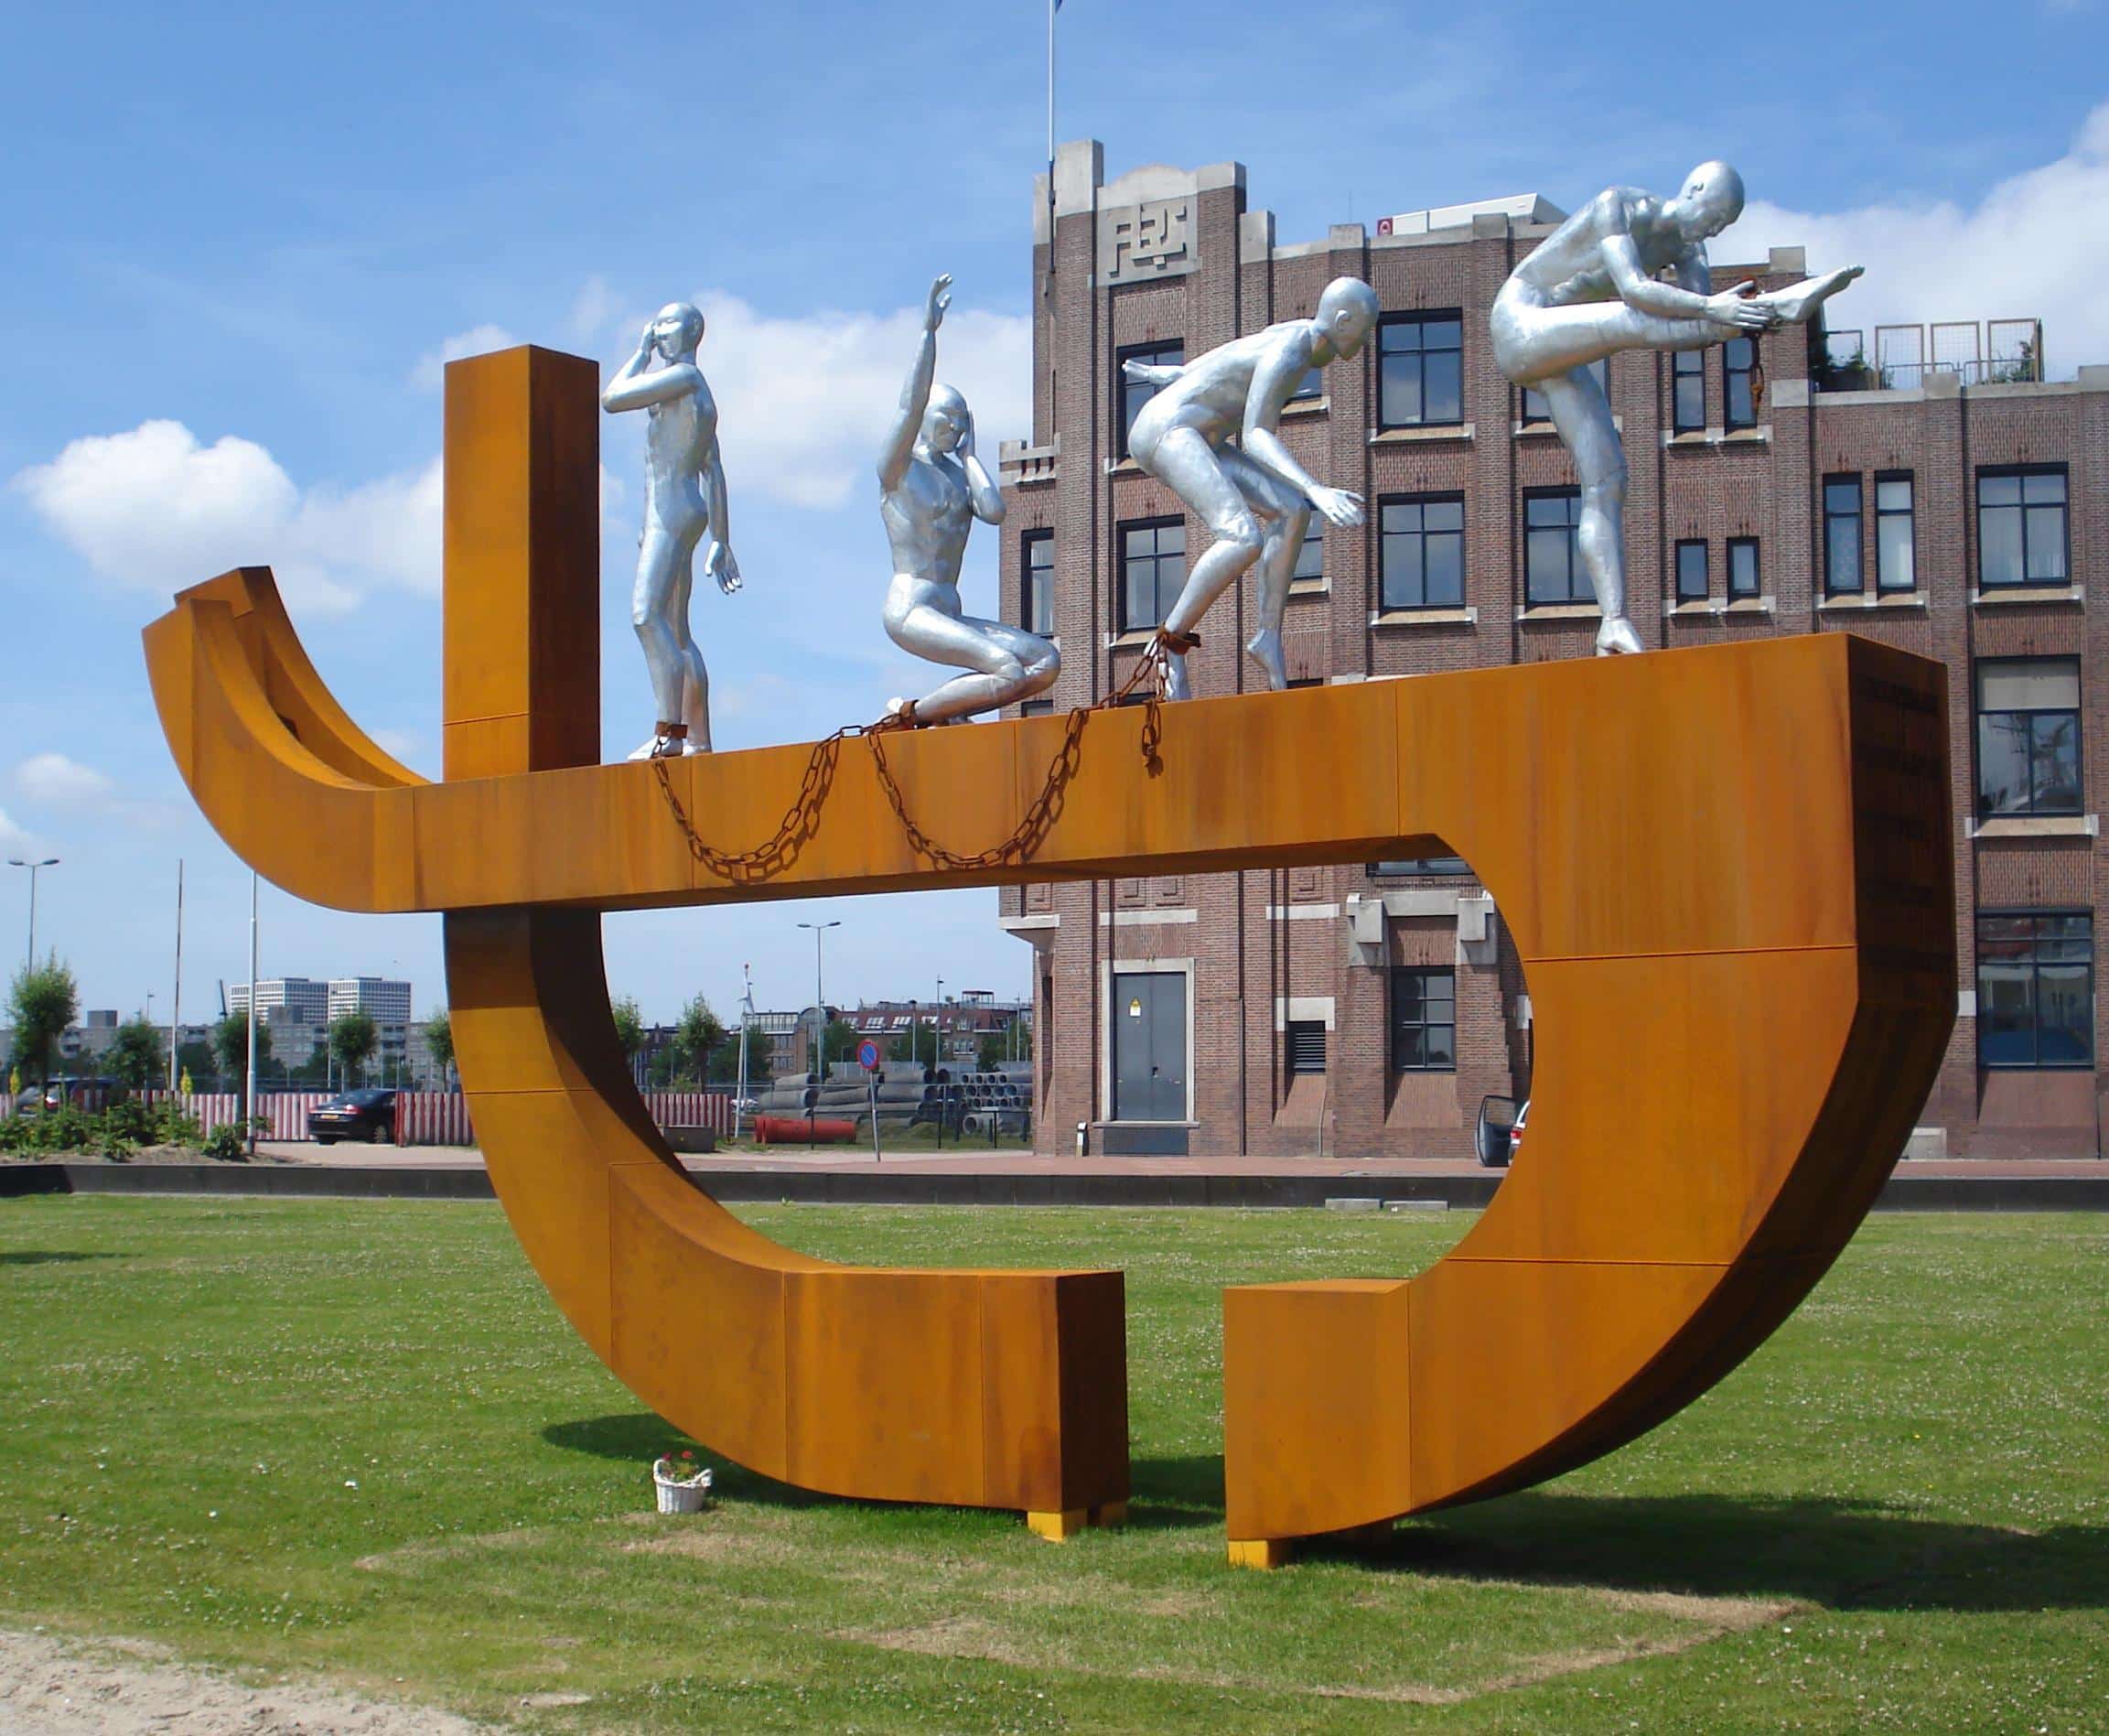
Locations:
column 1949, row 503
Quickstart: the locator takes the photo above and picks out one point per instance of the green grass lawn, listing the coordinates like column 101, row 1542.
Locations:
column 357, row 1439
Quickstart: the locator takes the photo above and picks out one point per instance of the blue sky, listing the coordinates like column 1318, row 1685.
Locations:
column 242, row 238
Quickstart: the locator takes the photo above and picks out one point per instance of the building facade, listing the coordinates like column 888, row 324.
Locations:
column 1933, row 488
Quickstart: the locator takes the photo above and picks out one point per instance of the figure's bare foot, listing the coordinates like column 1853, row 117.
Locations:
column 1265, row 648
column 1798, row 301
column 1175, row 683
column 1616, row 637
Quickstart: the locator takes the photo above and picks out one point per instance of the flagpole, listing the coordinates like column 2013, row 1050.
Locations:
column 1052, row 6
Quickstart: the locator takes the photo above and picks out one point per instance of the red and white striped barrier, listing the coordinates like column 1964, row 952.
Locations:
column 711, row 1109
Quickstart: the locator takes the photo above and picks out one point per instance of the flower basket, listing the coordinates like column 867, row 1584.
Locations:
column 680, row 1493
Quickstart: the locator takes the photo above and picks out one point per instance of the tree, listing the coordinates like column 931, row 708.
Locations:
column 138, row 1056
column 439, row 1045
column 1013, row 1042
column 699, row 1033
column 352, row 1039
column 629, row 1027
column 195, row 1059
column 838, row 1043
column 917, row 1043
column 231, row 1045
column 43, row 1001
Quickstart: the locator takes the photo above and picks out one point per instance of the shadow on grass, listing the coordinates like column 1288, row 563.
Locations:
column 40, row 1256
column 1840, row 1554
column 1168, row 1493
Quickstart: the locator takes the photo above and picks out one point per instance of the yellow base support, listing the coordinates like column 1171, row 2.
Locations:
column 1263, row 1553
column 1059, row 1527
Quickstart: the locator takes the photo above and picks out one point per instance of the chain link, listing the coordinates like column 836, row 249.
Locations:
column 803, row 817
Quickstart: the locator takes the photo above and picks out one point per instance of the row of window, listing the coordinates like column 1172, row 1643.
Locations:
column 2035, row 1001
column 2023, row 538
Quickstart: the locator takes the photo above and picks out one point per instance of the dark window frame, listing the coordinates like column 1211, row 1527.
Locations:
column 1448, row 497
column 1418, row 321
column 1314, row 536
column 1298, row 1038
column 1422, row 865
column 2073, row 714
column 1687, row 368
column 1705, row 588
column 1736, row 593
column 1531, row 414
column 1909, row 514
column 1749, row 374
column 1579, row 590
column 1036, row 599
column 1130, row 396
column 1399, row 1026
column 1121, row 559
column 1858, row 517
column 2035, row 964
column 2023, row 473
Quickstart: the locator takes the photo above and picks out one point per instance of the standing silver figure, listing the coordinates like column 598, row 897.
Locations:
column 683, row 501
column 1592, row 288
column 932, row 488
column 1182, row 438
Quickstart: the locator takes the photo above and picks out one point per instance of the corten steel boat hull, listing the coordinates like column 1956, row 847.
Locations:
column 1733, row 861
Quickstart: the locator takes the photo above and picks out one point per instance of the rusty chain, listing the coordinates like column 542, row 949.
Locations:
column 802, row 817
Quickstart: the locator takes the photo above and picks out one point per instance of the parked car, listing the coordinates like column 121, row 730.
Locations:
column 1516, row 1131
column 71, row 1092
column 367, row 1114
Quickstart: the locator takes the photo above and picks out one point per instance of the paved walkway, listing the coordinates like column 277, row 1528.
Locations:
column 980, row 1161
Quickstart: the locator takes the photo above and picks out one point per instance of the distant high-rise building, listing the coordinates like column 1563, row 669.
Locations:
column 298, row 1000
column 383, row 999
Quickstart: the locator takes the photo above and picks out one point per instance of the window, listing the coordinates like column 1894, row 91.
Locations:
column 2029, row 735
column 1153, row 561
column 1551, row 562
column 1895, row 567
column 1744, row 580
column 1420, row 371
column 1311, row 555
column 1131, row 395
column 1313, row 385
column 1424, row 1019
column 1036, row 709
column 2035, row 988
column 1421, row 551
column 1538, row 408
column 1424, row 865
column 1693, row 583
column 1841, row 535
column 1304, row 1041
column 1688, row 391
column 1036, row 583
column 1739, row 379
column 2021, row 533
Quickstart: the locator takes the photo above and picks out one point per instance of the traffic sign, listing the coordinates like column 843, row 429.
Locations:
column 867, row 1055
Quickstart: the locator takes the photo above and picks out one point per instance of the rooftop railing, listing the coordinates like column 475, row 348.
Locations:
column 1997, row 353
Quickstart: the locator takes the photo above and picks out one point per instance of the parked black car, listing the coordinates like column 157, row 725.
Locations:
column 367, row 1114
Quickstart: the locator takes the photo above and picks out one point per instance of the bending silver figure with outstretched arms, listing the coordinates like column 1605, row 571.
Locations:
column 1255, row 499
column 683, row 501
column 932, row 488
column 1592, row 287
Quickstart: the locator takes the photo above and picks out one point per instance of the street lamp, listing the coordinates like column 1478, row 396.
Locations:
column 819, row 1019
column 49, row 861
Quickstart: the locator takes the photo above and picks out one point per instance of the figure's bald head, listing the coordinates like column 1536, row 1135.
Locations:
column 677, row 328
column 1711, row 200
column 1348, row 312
column 945, row 418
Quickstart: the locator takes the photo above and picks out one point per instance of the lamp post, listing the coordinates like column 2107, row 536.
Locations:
column 15, row 861
column 937, row 1054
column 819, row 1021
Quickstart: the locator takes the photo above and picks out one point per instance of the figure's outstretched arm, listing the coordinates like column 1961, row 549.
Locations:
column 633, row 389
column 915, row 395
column 1152, row 373
column 986, row 497
column 1274, row 382
column 1637, row 290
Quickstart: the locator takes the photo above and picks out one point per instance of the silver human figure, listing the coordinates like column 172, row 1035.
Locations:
column 1594, row 287
column 1255, row 499
column 932, row 488
column 683, row 502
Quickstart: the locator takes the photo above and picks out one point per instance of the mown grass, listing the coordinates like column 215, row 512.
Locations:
column 357, row 1439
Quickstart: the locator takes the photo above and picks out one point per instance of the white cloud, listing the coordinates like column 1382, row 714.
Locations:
column 156, row 510
column 2033, row 246
column 430, row 373
column 804, row 402
column 60, row 783
column 14, row 840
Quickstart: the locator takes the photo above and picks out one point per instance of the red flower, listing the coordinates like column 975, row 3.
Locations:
column 686, row 1454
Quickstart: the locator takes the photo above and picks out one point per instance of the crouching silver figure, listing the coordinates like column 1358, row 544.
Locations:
column 683, row 502
column 932, row 488
column 1255, row 499
column 1594, row 287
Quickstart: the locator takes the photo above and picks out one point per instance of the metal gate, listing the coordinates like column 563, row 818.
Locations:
column 1149, row 1046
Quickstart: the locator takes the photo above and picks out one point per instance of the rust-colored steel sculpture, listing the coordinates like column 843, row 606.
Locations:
column 1733, row 860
